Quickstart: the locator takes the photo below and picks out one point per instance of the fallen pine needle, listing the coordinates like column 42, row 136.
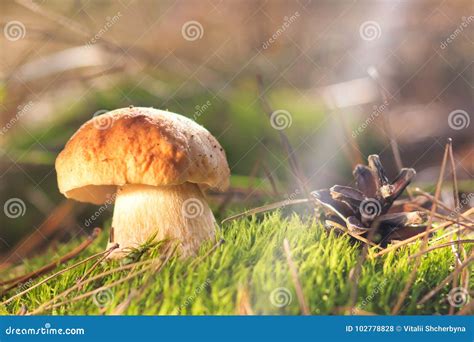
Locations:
column 45, row 269
column 442, row 245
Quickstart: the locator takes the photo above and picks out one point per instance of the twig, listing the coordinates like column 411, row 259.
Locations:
column 424, row 244
column 295, row 278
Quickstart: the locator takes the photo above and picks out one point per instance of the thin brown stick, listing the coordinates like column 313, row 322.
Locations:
column 446, row 280
column 296, row 281
column 442, row 245
column 45, row 269
column 424, row 244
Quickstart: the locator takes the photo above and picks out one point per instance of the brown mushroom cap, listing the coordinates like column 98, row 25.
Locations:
column 139, row 146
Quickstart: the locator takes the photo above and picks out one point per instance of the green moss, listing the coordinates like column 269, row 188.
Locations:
column 252, row 260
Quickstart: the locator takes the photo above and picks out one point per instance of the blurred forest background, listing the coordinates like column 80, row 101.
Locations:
column 341, row 77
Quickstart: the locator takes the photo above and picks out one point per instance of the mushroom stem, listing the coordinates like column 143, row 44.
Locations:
column 177, row 212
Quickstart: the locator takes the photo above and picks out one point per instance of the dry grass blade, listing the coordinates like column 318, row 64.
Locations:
column 424, row 244
column 265, row 208
column 295, row 278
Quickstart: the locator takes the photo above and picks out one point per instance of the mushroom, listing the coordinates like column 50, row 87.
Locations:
column 155, row 165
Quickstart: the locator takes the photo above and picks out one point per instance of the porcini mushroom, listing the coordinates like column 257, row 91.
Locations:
column 155, row 164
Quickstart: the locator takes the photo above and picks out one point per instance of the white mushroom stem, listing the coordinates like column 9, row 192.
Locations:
column 178, row 213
